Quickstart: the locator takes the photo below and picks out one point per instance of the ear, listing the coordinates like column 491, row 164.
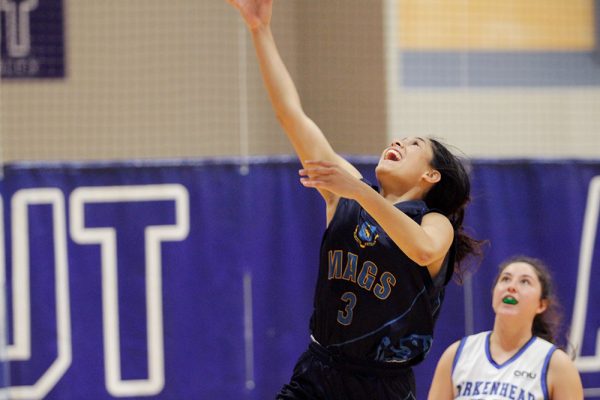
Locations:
column 543, row 306
column 432, row 176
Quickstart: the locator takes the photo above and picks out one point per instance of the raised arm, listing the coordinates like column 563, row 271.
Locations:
column 305, row 136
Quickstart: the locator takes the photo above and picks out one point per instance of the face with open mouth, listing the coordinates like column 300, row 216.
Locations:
column 400, row 149
column 405, row 162
column 518, row 291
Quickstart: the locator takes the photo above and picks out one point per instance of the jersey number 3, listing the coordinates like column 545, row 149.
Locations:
column 344, row 317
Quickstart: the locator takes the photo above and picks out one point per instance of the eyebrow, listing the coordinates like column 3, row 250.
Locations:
column 522, row 275
column 416, row 138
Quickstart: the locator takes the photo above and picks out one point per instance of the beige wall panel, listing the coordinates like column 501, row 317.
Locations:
column 155, row 79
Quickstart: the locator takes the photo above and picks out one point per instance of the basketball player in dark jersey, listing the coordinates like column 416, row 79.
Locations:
column 386, row 254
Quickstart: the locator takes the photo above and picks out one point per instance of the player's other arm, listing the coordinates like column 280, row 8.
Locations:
column 441, row 385
column 426, row 244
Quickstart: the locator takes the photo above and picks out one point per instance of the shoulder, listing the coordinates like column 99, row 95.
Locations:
column 472, row 346
column 560, row 361
column 453, row 348
column 449, row 355
column 446, row 363
column 436, row 216
column 438, row 226
column 563, row 377
column 441, row 385
column 439, row 222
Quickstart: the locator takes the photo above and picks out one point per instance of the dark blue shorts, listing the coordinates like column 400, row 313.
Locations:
column 319, row 375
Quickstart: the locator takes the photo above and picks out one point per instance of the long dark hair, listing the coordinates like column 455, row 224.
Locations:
column 547, row 324
column 450, row 196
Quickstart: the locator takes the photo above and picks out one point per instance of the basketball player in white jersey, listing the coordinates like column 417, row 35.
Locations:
column 518, row 358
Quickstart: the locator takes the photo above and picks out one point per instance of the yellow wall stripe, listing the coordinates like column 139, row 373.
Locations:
column 531, row 25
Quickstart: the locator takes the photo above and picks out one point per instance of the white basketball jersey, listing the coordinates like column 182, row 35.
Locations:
column 476, row 376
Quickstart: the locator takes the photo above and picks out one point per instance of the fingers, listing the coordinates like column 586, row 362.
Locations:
column 314, row 168
column 315, row 176
column 319, row 162
column 312, row 183
column 316, row 171
column 319, row 174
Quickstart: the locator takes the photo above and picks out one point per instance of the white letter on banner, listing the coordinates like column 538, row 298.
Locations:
column 588, row 238
column 106, row 238
column 21, row 348
column 18, row 34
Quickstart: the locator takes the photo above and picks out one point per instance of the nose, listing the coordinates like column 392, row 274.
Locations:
column 398, row 143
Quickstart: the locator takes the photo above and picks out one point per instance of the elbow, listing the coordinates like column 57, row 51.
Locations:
column 283, row 118
column 424, row 257
column 428, row 251
column 422, row 261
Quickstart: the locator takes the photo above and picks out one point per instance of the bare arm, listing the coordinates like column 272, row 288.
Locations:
column 564, row 382
column 305, row 136
column 426, row 244
column 441, row 385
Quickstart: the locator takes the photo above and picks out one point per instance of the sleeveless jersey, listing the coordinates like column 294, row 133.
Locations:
column 372, row 302
column 475, row 375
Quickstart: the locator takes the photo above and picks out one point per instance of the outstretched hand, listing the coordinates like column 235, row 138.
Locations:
column 329, row 176
column 256, row 13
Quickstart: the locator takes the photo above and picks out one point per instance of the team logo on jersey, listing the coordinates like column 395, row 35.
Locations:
column 366, row 234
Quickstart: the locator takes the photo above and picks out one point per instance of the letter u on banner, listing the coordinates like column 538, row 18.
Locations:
column 20, row 349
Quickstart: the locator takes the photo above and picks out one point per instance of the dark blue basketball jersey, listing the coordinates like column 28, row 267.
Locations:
column 372, row 302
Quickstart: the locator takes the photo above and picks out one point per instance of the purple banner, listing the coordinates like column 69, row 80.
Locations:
column 32, row 43
column 193, row 280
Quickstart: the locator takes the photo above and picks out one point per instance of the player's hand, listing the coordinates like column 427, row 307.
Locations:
column 256, row 13
column 329, row 176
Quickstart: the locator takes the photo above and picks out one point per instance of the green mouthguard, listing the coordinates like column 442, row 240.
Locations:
column 510, row 300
